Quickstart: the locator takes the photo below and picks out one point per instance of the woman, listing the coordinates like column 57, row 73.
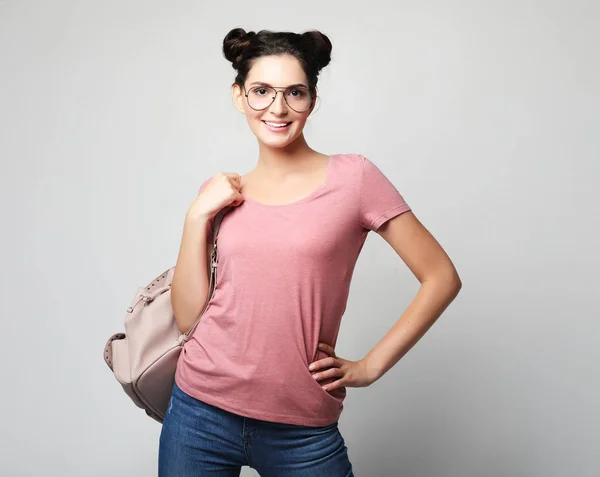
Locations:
column 259, row 383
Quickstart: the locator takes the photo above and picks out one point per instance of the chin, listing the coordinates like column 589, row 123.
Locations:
column 274, row 140
column 274, row 143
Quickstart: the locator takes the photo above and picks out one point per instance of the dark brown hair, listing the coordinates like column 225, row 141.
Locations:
column 312, row 49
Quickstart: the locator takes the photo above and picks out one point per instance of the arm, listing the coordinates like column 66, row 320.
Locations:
column 189, row 290
column 440, row 284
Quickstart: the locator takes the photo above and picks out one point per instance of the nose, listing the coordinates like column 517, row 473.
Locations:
column 279, row 106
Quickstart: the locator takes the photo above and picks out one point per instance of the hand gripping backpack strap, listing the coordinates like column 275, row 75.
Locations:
column 214, row 259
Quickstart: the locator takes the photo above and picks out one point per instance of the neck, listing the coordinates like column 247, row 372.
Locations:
column 279, row 161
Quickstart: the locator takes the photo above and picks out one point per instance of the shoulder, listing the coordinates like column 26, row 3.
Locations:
column 351, row 164
column 349, row 159
column 353, row 160
column 355, row 166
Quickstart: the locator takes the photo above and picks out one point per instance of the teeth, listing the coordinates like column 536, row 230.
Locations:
column 276, row 125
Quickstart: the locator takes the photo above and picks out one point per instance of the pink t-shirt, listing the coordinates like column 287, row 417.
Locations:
column 282, row 285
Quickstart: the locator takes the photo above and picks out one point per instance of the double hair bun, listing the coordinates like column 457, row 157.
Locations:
column 313, row 45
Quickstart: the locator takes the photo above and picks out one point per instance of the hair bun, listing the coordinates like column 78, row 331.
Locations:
column 319, row 46
column 234, row 44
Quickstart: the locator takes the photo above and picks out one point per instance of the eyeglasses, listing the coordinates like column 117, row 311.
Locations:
column 299, row 98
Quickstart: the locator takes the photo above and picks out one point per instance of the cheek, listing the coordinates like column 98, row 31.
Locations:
column 253, row 121
column 299, row 125
column 300, row 122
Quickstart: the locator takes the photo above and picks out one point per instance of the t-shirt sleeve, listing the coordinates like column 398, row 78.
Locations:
column 209, row 224
column 380, row 200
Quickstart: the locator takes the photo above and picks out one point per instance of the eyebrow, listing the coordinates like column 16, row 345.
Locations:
column 261, row 83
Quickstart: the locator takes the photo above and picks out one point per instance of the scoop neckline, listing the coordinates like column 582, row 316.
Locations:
column 315, row 192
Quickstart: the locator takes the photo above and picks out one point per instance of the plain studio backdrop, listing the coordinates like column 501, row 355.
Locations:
column 484, row 114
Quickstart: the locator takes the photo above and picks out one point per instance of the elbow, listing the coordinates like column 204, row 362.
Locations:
column 183, row 325
column 454, row 283
column 185, row 313
column 182, row 330
column 449, row 276
column 457, row 285
column 447, row 281
column 179, row 315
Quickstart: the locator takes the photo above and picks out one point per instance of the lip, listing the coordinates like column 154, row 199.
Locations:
column 279, row 129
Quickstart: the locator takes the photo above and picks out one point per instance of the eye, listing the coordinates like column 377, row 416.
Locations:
column 297, row 93
column 259, row 91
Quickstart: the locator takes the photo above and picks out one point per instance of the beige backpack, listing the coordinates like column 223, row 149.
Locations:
column 144, row 358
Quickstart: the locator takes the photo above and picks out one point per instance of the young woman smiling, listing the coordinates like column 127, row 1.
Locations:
column 259, row 383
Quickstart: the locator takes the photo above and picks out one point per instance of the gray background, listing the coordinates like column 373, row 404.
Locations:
column 485, row 116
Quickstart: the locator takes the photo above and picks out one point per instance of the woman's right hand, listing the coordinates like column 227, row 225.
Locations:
column 221, row 191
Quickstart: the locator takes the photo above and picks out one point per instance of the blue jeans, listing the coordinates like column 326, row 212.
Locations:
column 198, row 439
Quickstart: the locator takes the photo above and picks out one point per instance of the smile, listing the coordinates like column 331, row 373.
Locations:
column 277, row 127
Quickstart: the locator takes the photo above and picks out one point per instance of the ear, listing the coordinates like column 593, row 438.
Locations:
column 314, row 103
column 237, row 94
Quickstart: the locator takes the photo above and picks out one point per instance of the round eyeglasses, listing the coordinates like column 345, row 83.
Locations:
column 261, row 97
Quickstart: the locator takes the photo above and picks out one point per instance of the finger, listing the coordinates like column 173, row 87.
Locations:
column 327, row 349
column 236, row 184
column 324, row 363
column 231, row 177
column 335, row 385
column 239, row 198
column 327, row 374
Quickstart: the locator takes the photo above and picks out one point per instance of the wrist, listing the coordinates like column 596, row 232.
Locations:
column 196, row 216
column 373, row 370
column 195, row 221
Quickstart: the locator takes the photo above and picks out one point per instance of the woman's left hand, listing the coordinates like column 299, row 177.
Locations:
column 349, row 373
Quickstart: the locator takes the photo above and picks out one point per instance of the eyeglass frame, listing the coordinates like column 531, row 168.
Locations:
column 278, row 89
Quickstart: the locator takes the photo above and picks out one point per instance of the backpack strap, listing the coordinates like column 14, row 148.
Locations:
column 214, row 260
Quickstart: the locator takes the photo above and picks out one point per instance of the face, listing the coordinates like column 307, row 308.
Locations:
column 281, row 72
